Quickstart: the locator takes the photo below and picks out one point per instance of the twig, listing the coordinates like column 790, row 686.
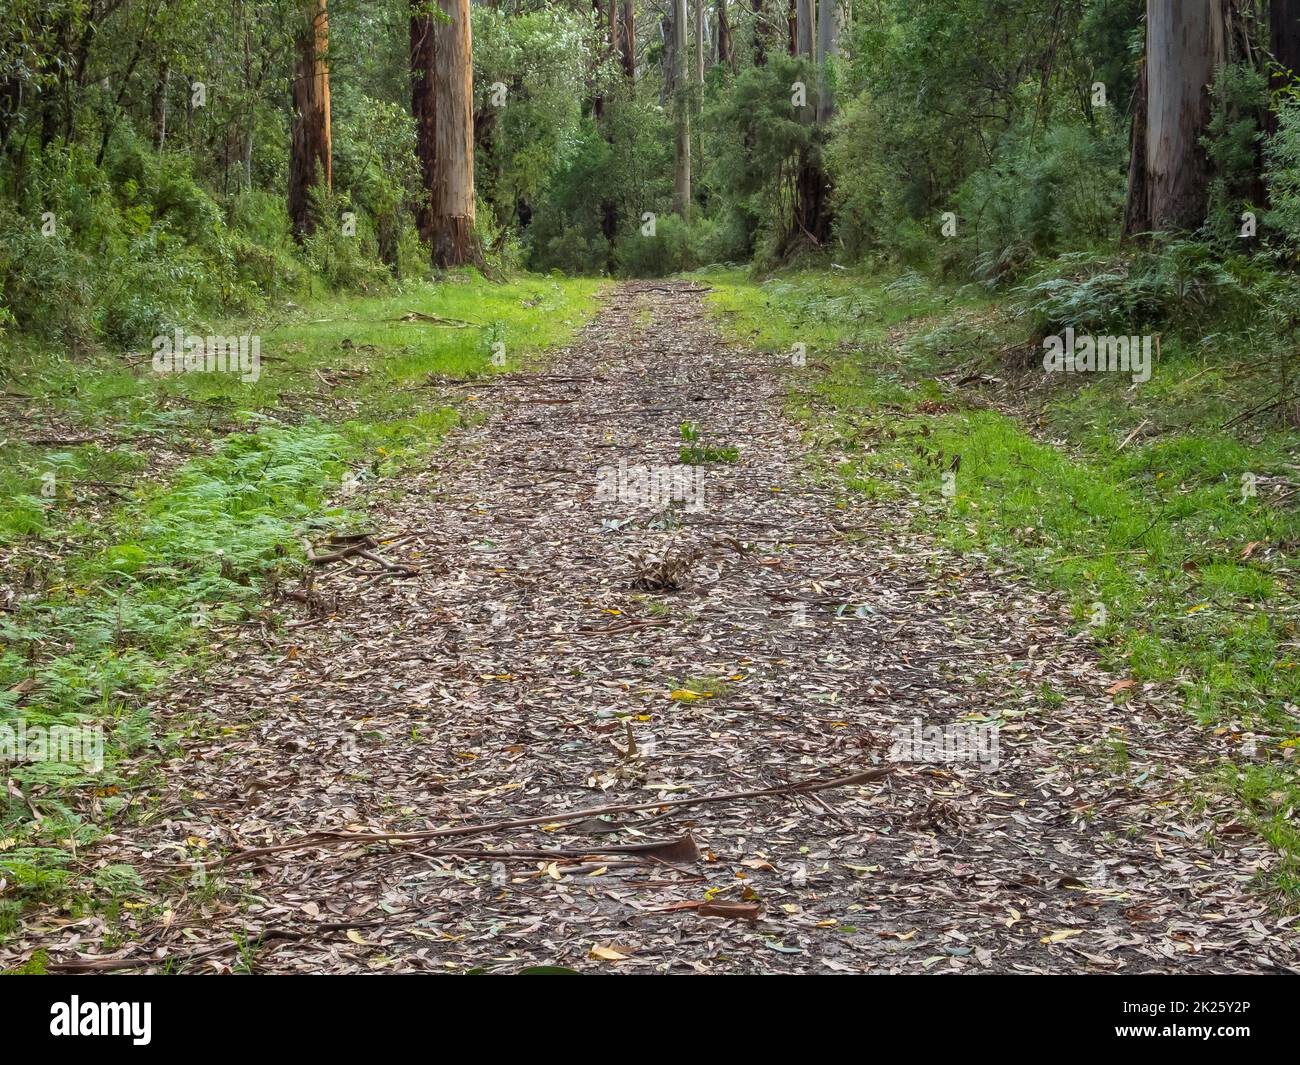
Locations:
column 1128, row 439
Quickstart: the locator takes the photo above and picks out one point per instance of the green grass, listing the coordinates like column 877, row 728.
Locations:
column 1178, row 575
column 126, row 570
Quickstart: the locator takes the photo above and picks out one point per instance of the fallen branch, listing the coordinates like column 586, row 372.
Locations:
column 333, row 839
column 1262, row 408
column 435, row 319
column 360, row 547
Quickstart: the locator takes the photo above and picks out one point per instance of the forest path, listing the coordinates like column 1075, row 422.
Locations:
column 505, row 678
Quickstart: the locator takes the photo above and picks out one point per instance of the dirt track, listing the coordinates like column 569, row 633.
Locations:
column 506, row 678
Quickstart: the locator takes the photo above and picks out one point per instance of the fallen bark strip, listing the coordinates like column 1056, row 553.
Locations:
column 332, row 839
column 684, row 849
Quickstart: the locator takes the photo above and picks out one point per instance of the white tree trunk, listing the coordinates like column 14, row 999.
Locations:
column 681, row 111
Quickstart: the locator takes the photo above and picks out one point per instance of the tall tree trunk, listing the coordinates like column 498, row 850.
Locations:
column 697, row 81
column 1185, row 43
column 310, row 148
column 1137, row 204
column 681, row 111
column 804, row 25
column 828, row 46
column 811, row 213
column 159, row 108
column 792, row 23
column 608, row 207
column 1284, row 35
column 454, row 240
column 701, row 31
column 725, row 54
column 11, row 98
column 424, row 111
column 1284, row 43
column 762, row 33
column 597, row 100
column 628, row 38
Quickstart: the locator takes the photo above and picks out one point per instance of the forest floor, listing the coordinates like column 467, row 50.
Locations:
column 517, row 645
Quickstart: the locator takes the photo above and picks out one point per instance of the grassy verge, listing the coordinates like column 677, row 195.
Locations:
column 142, row 516
column 1174, row 537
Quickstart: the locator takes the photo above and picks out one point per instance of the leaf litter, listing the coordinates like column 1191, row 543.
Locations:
column 568, row 683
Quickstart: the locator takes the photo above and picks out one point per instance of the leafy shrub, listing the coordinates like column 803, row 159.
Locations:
column 342, row 261
column 1232, row 141
column 676, row 246
column 1184, row 282
column 1282, row 155
column 573, row 252
column 1063, row 189
column 758, row 142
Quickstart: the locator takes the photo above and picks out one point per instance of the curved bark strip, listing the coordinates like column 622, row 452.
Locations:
column 311, row 155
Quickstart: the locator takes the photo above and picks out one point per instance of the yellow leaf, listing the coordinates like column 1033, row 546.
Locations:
column 1065, row 933
column 607, row 954
column 356, row 937
column 685, row 695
